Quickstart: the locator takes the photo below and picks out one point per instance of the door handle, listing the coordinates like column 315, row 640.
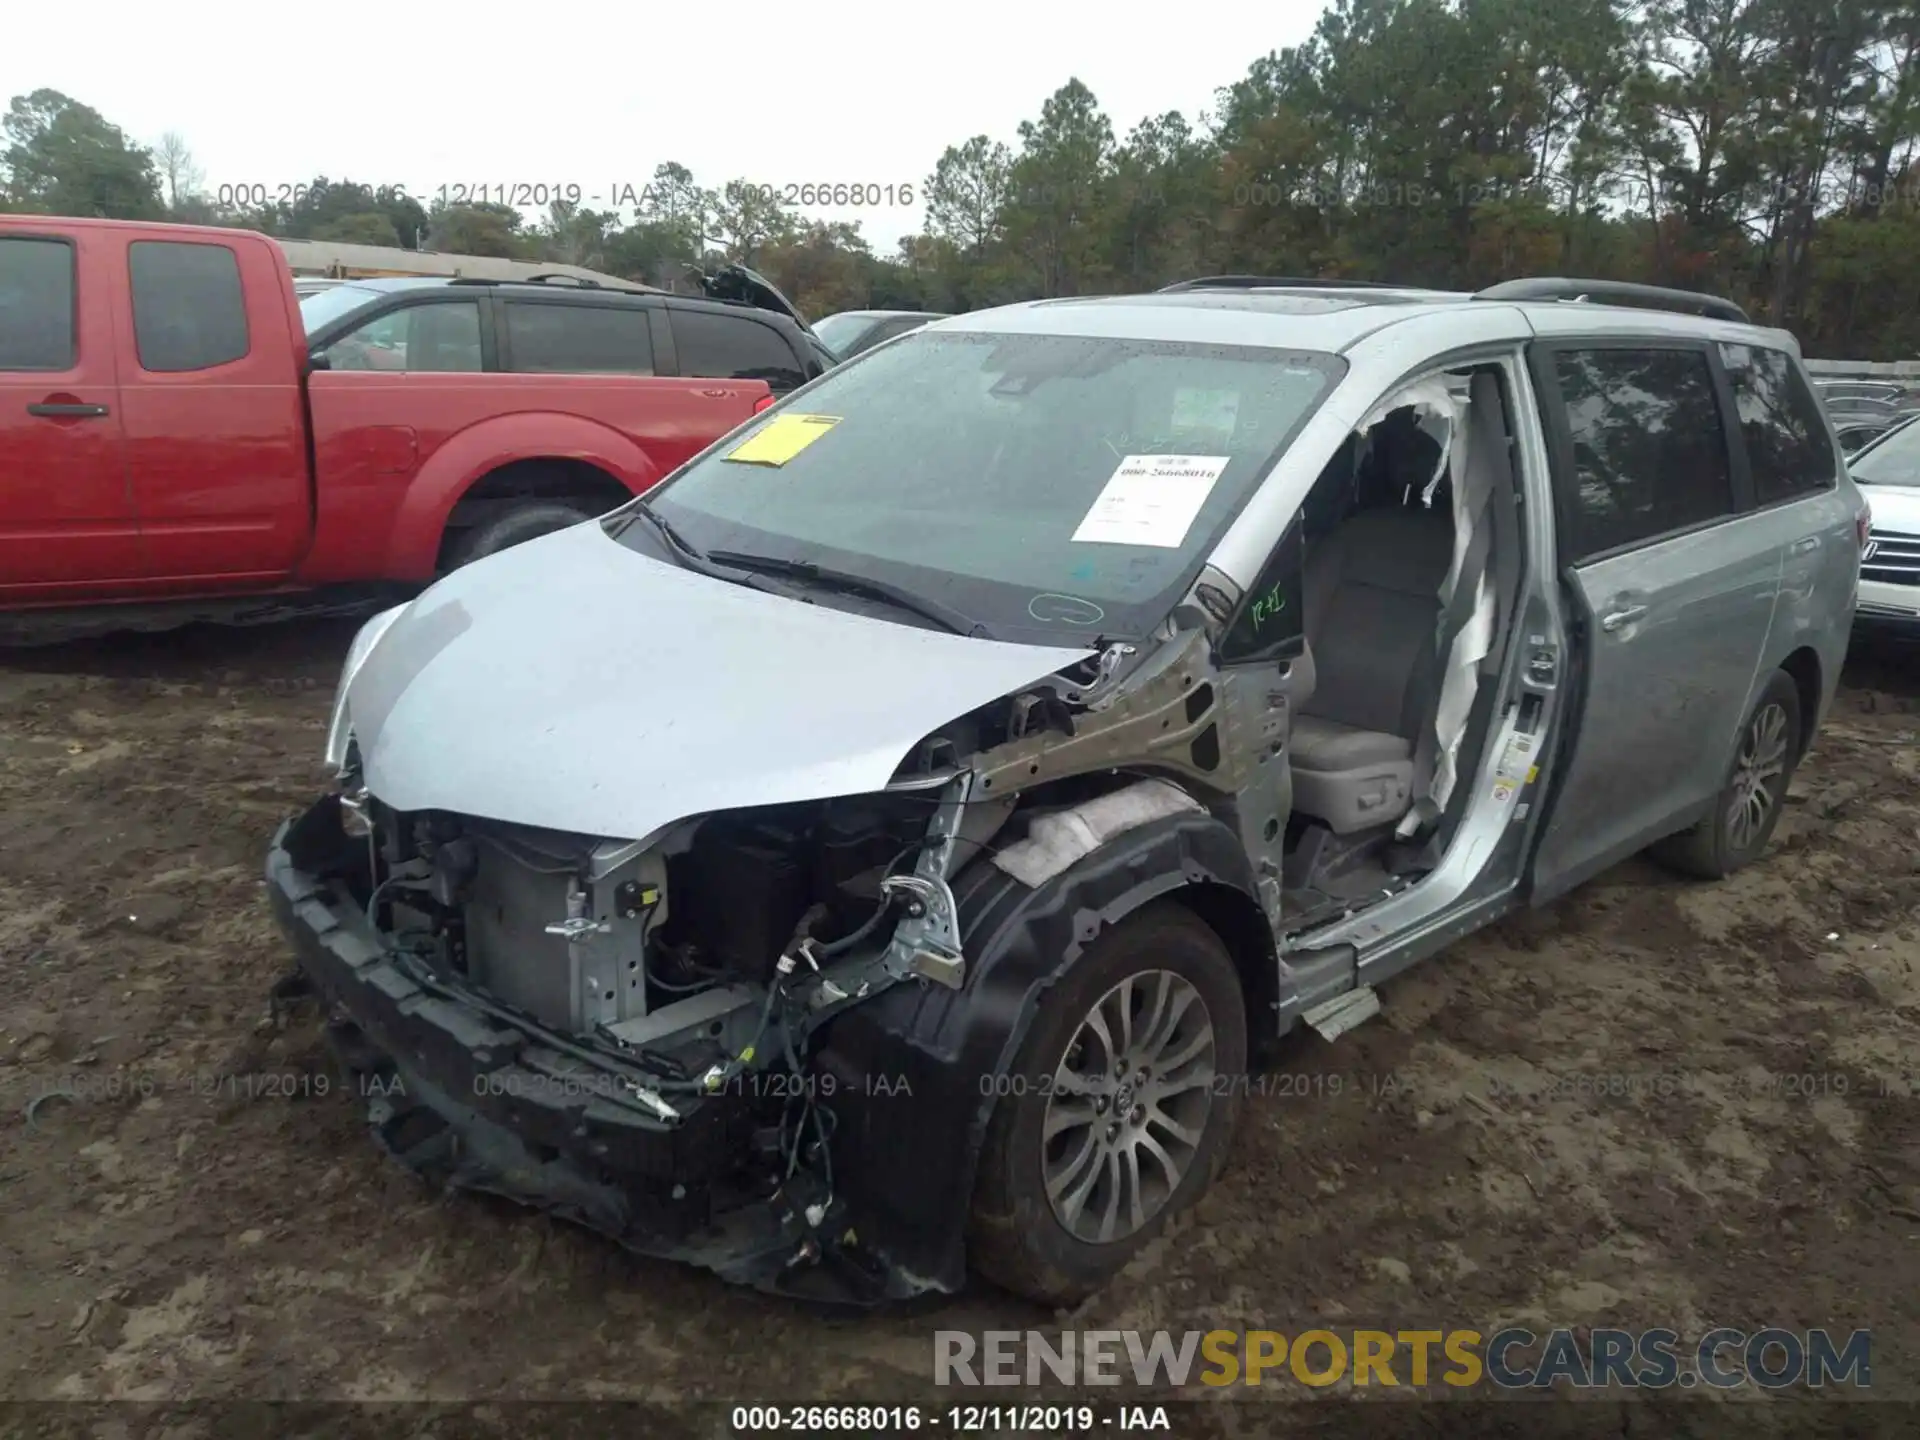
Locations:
column 69, row 411
column 1803, row 545
column 1625, row 615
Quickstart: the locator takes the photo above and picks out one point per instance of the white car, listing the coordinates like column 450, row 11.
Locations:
column 1888, row 471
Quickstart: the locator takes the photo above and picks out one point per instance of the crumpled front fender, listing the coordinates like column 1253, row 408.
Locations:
column 913, row 1070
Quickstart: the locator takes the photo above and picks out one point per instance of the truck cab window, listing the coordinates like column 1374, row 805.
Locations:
column 36, row 304
column 188, row 310
column 434, row 338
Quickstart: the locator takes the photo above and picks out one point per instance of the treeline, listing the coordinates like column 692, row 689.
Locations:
column 1763, row 149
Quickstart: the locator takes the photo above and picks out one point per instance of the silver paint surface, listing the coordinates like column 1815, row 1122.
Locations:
column 574, row 684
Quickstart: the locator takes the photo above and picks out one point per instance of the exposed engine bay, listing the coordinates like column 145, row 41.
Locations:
column 665, row 1001
column 663, row 954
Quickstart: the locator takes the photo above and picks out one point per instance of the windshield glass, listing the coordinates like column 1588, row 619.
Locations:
column 837, row 332
column 1893, row 459
column 1046, row 487
column 330, row 304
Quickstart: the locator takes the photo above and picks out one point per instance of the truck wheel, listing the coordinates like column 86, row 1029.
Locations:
column 1749, row 805
column 1118, row 1112
column 524, row 522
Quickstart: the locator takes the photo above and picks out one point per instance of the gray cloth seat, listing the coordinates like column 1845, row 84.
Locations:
column 1372, row 616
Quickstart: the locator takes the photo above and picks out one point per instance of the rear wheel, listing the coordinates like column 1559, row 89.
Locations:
column 1749, row 805
column 1118, row 1113
column 519, row 524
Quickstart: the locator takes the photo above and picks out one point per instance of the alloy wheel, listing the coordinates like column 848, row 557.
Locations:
column 1128, row 1106
column 1756, row 775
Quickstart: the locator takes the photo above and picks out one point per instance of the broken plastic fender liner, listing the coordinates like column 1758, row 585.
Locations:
column 781, row 438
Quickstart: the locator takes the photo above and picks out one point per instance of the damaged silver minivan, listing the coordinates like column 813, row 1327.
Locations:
column 886, row 846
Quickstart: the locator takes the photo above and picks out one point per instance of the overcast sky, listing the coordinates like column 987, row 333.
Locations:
column 597, row 94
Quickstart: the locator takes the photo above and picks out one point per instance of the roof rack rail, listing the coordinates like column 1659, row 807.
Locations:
column 1617, row 292
column 1277, row 282
column 576, row 282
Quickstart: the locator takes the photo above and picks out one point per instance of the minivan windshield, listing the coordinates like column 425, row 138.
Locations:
column 325, row 306
column 1046, row 488
column 1893, row 459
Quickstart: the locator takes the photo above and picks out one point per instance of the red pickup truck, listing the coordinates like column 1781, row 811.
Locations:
column 181, row 438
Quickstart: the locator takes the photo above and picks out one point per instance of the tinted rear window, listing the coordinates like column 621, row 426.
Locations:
column 36, row 304
column 1649, row 452
column 188, row 310
column 579, row 339
column 732, row 347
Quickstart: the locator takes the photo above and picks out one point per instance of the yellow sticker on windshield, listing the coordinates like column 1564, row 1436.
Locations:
column 782, row 438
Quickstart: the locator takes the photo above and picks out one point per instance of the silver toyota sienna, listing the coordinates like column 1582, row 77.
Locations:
column 885, row 847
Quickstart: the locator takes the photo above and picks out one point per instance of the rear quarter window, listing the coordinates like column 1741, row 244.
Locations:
column 189, row 312
column 733, row 347
column 36, row 304
column 1781, row 424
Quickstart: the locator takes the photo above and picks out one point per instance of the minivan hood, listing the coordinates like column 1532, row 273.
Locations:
column 574, row 684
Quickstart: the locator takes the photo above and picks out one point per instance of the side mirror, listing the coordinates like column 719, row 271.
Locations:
column 317, row 360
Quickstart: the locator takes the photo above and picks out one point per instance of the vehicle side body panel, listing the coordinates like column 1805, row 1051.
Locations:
column 396, row 452
column 1675, row 637
column 1665, row 693
column 67, row 522
column 217, row 457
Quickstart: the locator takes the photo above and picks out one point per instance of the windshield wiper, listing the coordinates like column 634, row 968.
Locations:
column 689, row 555
column 850, row 584
column 679, row 543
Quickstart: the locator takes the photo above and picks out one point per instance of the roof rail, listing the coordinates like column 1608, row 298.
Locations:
column 1617, row 292
column 1277, row 282
column 573, row 282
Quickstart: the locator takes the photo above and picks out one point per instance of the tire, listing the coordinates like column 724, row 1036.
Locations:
column 523, row 522
column 1738, row 829
column 1017, row 1236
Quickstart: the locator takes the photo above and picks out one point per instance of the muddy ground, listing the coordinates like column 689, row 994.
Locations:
column 191, row 1240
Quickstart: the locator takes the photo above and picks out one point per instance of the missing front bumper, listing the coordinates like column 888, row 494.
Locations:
column 471, row 1101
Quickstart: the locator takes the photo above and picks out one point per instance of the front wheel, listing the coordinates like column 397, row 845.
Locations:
column 1749, row 805
column 1118, row 1113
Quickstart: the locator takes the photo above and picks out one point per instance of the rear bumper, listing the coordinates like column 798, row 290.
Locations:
column 469, row 1100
